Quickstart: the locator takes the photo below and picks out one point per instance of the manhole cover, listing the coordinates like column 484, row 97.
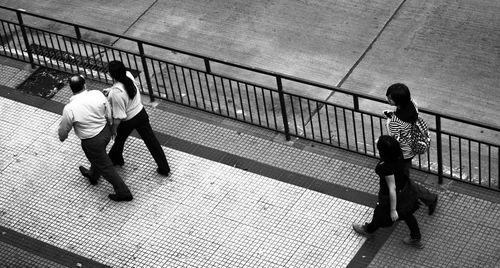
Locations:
column 44, row 82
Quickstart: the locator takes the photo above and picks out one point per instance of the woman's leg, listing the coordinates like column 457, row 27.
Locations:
column 123, row 131
column 152, row 143
column 412, row 223
column 380, row 218
column 423, row 194
column 407, row 166
column 415, row 237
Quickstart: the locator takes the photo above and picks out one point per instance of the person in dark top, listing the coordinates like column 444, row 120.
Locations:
column 399, row 124
column 396, row 198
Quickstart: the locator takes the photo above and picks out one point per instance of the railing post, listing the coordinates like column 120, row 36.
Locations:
column 146, row 72
column 25, row 38
column 356, row 102
column 77, row 32
column 283, row 108
column 439, row 148
column 207, row 65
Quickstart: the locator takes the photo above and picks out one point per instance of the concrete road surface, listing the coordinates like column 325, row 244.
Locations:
column 447, row 51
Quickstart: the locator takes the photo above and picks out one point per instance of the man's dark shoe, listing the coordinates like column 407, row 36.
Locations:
column 432, row 207
column 86, row 173
column 361, row 229
column 163, row 171
column 119, row 198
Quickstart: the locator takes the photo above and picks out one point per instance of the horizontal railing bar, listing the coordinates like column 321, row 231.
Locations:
column 255, row 69
column 221, row 114
column 305, row 120
column 215, row 74
column 470, row 139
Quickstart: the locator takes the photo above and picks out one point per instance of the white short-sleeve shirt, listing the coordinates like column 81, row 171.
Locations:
column 86, row 112
column 122, row 106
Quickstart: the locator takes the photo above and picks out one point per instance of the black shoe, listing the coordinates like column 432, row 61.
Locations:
column 119, row 163
column 432, row 207
column 163, row 171
column 86, row 173
column 361, row 229
column 119, row 198
column 115, row 162
column 416, row 243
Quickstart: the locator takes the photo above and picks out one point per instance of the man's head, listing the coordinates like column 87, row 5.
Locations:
column 77, row 83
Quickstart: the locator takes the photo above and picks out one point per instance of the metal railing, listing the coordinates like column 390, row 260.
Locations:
column 276, row 102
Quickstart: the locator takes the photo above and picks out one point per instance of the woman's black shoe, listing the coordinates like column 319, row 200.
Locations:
column 119, row 198
column 163, row 171
column 432, row 207
column 118, row 163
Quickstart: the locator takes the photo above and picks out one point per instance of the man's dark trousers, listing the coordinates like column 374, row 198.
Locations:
column 95, row 150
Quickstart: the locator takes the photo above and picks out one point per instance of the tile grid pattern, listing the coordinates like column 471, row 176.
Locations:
column 13, row 257
column 206, row 214
column 11, row 76
column 450, row 213
column 324, row 168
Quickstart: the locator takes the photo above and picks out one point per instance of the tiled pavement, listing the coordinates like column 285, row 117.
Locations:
column 237, row 197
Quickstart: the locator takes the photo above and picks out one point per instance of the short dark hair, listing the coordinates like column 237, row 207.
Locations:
column 389, row 149
column 76, row 83
column 399, row 93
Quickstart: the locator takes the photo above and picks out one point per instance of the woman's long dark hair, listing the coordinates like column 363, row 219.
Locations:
column 119, row 73
column 400, row 94
column 389, row 149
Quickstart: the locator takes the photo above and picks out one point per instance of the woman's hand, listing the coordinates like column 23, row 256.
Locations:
column 394, row 215
column 113, row 132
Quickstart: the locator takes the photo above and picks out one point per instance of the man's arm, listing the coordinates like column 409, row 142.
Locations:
column 65, row 125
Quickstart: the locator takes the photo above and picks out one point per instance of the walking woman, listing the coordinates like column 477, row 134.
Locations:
column 397, row 199
column 129, row 114
column 399, row 124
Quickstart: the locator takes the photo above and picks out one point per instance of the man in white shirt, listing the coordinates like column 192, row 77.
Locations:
column 88, row 112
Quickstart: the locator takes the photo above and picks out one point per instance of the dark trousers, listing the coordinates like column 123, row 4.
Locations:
column 423, row 194
column 140, row 122
column 382, row 218
column 100, row 164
